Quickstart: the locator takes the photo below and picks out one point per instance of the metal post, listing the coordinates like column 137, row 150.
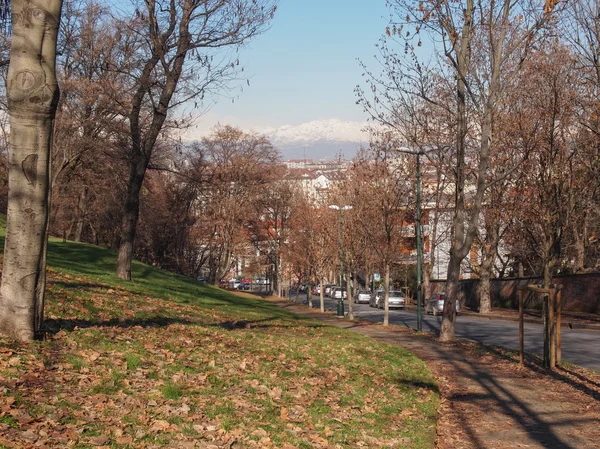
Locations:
column 558, row 324
column 552, row 328
column 521, row 328
column 418, row 224
column 341, row 303
column 546, row 332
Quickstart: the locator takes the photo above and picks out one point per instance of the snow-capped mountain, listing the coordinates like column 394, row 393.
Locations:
column 318, row 139
column 332, row 130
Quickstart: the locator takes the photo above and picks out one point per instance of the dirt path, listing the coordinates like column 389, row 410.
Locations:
column 489, row 401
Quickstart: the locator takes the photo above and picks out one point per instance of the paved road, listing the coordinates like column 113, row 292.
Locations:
column 579, row 346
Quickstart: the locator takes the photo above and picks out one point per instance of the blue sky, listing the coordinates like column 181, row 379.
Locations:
column 305, row 66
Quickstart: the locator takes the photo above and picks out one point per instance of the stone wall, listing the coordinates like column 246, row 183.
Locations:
column 580, row 293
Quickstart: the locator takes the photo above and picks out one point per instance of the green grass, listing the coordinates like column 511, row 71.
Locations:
column 155, row 360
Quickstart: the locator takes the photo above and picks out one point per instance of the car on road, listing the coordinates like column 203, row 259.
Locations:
column 328, row 288
column 337, row 292
column 362, row 297
column 435, row 304
column 376, row 298
column 396, row 300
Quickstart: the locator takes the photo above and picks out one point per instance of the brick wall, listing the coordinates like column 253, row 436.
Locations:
column 580, row 293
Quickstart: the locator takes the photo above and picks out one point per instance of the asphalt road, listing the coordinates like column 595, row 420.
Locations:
column 579, row 346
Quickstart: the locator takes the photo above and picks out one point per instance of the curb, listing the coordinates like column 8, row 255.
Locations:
column 564, row 323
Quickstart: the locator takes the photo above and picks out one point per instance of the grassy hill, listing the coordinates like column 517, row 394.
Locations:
column 164, row 361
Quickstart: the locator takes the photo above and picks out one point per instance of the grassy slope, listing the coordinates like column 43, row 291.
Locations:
column 164, row 361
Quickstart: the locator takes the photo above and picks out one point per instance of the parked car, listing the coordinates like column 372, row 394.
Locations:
column 337, row 292
column 234, row 283
column 362, row 297
column 260, row 281
column 328, row 288
column 376, row 297
column 396, row 300
column 435, row 304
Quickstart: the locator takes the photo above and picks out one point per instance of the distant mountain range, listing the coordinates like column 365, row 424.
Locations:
column 319, row 139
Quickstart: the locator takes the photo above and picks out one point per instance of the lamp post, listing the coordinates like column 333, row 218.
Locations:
column 341, row 209
column 418, row 237
column 418, row 224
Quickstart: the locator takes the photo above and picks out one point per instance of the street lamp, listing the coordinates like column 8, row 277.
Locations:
column 418, row 236
column 341, row 209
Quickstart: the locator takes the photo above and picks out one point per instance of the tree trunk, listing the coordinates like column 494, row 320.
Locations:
column 32, row 99
column 348, row 292
column 322, row 295
column 448, row 321
column 483, row 289
column 130, row 216
column 386, row 295
column 483, row 292
column 81, row 211
column 426, row 284
column 579, row 262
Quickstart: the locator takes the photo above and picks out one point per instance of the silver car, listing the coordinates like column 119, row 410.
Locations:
column 337, row 292
column 396, row 300
column 376, row 298
column 435, row 304
column 362, row 297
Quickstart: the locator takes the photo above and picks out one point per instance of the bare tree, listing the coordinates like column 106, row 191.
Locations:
column 175, row 59
column 473, row 40
column 382, row 204
column 234, row 168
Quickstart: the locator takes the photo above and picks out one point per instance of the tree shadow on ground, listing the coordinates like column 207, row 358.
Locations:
column 79, row 285
column 560, row 373
column 493, row 395
column 260, row 324
column 54, row 325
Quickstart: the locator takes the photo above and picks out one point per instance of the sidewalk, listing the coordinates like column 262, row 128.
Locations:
column 488, row 400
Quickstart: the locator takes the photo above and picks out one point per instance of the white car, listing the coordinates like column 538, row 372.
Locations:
column 435, row 304
column 362, row 297
column 396, row 300
column 337, row 293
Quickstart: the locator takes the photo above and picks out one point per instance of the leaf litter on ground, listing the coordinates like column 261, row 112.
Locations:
column 123, row 367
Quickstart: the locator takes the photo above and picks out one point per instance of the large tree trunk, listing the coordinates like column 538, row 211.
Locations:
column 483, row 291
column 130, row 216
column 32, row 99
column 485, row 273
column 452, row 279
